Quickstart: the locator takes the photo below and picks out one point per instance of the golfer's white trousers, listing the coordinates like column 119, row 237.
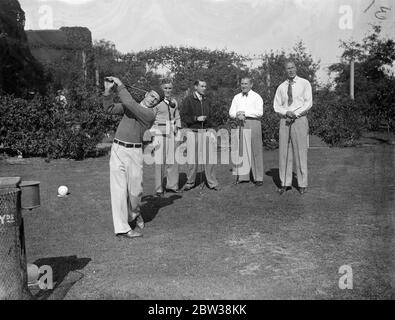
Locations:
column 297, row 149
column 126, row 185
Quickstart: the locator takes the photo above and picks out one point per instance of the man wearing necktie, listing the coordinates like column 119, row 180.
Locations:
column 247, row 108
column 166, row 128
column 293, row 100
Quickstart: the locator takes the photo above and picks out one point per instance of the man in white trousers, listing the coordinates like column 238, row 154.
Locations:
column 126, row 162
column 166, row 129
column 293, row 100
column 247, row 108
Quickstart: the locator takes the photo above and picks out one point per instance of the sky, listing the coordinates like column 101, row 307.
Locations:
column 248, row 27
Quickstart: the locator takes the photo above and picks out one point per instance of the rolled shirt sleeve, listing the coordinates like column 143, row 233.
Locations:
column 307, row 100
column 233, row 108
column 278, row 103
column 258, row 106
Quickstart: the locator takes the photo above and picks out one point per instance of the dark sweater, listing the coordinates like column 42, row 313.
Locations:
column 192, row 108
column 136, row 118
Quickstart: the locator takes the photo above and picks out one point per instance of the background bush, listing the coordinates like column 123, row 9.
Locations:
column 337, row 120
column 42, row 127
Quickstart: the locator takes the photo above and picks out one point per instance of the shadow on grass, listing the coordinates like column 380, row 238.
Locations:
column 275, row 174
column 151, row 206
column 65, row 275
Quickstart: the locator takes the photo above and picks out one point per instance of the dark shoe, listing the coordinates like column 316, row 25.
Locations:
column 140, row 222
column 216, row 188
column 174, row 191
column 242, row 181
column 259, row 183
column 130, row 235
column 302, row 191
column 282, row 190
column 187, row 187
column 159, row 194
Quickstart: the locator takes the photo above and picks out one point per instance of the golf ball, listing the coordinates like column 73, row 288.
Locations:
column 62, row 190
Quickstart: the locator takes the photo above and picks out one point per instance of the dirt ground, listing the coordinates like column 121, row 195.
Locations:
column 244, row 242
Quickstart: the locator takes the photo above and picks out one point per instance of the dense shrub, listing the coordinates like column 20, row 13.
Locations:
column 42, row 127
column 337, row 120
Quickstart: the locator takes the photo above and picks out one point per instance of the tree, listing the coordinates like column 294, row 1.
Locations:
column 19, row 71
column 374, row 79
column 220, row 68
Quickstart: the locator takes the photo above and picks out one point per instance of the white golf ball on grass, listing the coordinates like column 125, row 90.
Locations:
column 62, row 191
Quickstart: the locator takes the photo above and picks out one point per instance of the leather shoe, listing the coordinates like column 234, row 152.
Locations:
column 302, row 191
column 174, row 190
column 216, row 188
column 259, row 183
column 187, row 187
column 130, row 235
column 140, row 222
column 281, row 190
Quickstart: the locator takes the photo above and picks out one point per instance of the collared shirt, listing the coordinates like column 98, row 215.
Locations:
column 301, row 94
column 251, row 104
column 198, row 95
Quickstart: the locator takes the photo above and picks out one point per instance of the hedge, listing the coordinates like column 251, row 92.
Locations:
column 42, row 127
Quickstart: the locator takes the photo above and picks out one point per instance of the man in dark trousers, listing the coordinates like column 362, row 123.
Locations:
column 196, row 114
column 126, row 162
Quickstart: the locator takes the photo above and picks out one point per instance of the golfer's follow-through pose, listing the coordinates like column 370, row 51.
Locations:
column 126, row 162
column 292, row 102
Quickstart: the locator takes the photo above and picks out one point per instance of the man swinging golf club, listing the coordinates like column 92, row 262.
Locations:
column 292, row 102
column 126, row 162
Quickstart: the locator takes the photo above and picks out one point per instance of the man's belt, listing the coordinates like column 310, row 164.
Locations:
column 251, row 118
column 164, row 124
column 128, row 145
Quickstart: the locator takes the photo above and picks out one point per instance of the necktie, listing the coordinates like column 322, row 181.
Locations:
column 245, row 94
column 290, row 98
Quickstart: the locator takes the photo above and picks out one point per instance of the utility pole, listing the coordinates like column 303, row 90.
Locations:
column 352, row 71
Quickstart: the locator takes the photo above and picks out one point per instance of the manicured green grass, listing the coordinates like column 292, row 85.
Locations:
column 243, row 242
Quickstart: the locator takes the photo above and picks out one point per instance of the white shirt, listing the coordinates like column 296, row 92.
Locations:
column 251, row 105
column 199, row 96
column 301, row 94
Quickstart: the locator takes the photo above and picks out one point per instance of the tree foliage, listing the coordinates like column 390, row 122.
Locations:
column 19, row 71
column 374, row 78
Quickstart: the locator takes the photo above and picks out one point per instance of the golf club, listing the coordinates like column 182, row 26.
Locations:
column 241, row 125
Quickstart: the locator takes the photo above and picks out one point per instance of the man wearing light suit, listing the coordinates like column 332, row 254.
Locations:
column 247, row 107
column 292, row 102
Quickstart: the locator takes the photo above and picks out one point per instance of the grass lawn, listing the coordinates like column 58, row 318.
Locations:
column 243, row 242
